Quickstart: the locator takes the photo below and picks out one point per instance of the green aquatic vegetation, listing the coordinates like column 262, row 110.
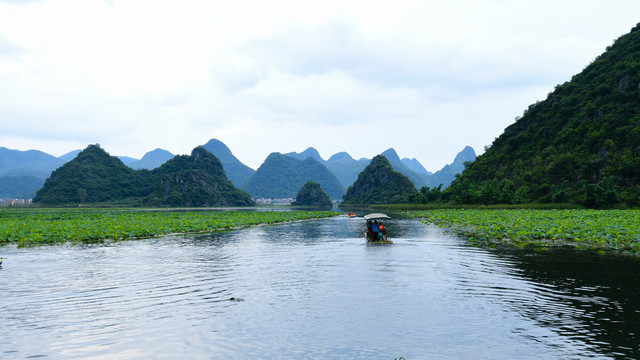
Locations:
column 51, row 226
column 617, row 230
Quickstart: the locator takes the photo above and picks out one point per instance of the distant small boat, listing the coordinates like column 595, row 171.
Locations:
column 351, row 215
column 0, row 261
column 380, row 236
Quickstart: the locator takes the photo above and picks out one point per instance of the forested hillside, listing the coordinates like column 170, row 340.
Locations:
column 580, row 145
column 94, row 176
column 311, row 194
column 379, row 183
column 195, row 180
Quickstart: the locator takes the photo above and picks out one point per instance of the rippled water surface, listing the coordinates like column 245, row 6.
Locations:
column 315, row 289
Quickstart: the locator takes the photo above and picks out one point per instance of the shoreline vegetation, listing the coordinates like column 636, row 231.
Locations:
column 41, row 226
column 616, row 231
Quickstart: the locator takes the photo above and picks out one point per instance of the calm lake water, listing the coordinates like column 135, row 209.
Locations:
column 315, row 289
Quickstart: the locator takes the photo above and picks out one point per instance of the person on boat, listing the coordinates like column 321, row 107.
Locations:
column 376, row 230
column 383, row 231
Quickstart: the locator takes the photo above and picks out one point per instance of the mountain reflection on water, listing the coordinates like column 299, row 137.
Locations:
column 315, row 289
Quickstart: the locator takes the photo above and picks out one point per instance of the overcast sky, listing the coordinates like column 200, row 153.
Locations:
column 424, row 77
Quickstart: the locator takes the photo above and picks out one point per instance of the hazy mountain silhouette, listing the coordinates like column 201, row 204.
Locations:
column 235, row 170
column 309, row 152
column 282, row 176
column 447, row 174
column 152, row 159
column 346, row 168
column 31, row 162
column 415, row 166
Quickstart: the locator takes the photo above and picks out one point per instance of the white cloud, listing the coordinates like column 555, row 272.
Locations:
column 10, row 51
column 434, row 76
column 19, row 2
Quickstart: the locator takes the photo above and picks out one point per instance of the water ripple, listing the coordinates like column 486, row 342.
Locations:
column 313, row 290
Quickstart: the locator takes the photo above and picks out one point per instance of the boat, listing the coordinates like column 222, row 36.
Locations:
column 0, row 261
column 376, row 218
column 351, row 215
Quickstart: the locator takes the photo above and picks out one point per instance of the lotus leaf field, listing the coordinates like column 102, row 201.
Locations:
column 26, row 227
column 616, row 230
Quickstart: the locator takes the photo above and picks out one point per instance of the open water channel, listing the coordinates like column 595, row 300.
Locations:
column 315, row 289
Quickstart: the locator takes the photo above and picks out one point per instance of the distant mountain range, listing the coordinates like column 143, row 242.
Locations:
column 30, row 163
column 19, row 187
column 282, row 176
column 346, row 169
column 236, row 171
column 415, row 166
column 22, row 173
column 150, row 160
column 447, row 174
column 581, row 145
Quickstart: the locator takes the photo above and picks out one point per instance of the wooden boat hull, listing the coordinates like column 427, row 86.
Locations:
column 380, row 242
column 371, row 240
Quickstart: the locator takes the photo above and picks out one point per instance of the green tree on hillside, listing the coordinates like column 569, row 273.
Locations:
column 95, row 176
column 378, row 183
column 580, row 145
column 311, row 194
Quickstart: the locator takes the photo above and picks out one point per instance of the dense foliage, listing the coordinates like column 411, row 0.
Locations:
column 94, row 176
column 50, row 226
column 196, row 180
column 617, row 230
column 282, row 176
column 580, row 145
column 427, row 195
column 311, row 194
column 378, row 183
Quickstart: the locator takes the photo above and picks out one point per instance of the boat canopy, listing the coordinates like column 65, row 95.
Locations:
column 376, row 216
